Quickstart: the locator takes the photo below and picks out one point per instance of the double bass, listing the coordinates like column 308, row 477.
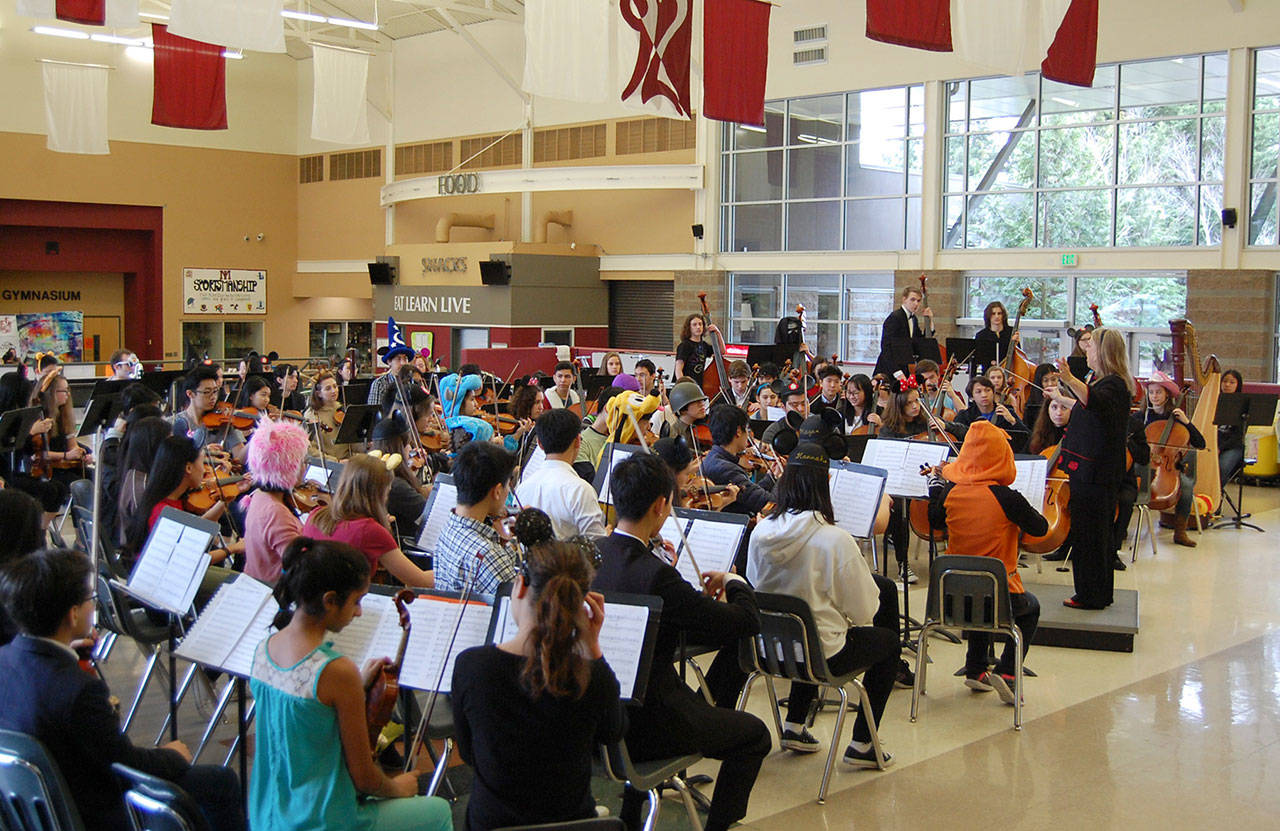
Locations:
column 1018, row 369
column 713, row 386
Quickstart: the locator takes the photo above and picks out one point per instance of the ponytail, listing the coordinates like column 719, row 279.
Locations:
column 310, row 569
column 559, row 576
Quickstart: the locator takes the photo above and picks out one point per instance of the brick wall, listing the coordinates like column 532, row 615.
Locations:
column 687, row 286
column 1232, row 314
column 946, row 297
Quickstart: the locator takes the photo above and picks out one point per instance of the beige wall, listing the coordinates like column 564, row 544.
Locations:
column 211, row 200
column 100, row 294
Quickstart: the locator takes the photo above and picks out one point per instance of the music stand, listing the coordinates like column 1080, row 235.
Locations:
column 1237, row 410
column 856, row 446
column 160, row 382
column 758, row 426
column 15, row 427
column 357, row 424
column 101, row 413
column 771, row 353
column 972, row 352
column 107, row 386
column 927, row 348
column 356, row 392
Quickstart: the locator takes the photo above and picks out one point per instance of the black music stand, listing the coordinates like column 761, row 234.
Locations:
column 356, row 392
column 160, row 382
column 927, row 348
column 771, row 353
column 1237, row 409
column 15, row 427
column 972, row 353
column 100, row 414
column 758, row 426
column 357, row 423
column 901, row 352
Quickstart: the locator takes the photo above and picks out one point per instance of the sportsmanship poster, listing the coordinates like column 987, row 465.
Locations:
column 61, row 333
column 225, row 291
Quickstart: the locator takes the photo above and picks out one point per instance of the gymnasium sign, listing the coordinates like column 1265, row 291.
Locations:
column 452, row 184
column 225, row 291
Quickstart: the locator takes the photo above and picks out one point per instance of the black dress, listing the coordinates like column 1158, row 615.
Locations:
column 532, row 757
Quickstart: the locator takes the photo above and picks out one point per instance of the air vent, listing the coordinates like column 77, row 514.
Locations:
column 424, row 158
column 358, row 164
column 809, row 34
column 655, row 135
column 310, row 169
column 504, row 153
column 808, row 57
column 566, row 143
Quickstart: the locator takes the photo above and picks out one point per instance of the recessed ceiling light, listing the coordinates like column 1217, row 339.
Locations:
column 74, row 34
column 314, row 18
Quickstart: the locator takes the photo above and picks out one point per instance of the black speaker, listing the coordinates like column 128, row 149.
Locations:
column 697, row 231
column 382, row 274
column 495, row 273
column 1229, row 217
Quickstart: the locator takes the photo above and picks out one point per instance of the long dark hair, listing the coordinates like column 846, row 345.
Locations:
column 1044, row 433
column 15, row 390
column 804, row 488
column 20, row 531
column 559, row 576
column 141, row 441
column 310, row 569
column 167, row 471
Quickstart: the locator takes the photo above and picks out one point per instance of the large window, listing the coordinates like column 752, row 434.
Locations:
column 1266, row 148
column 1135, row 160
column 327, row 338
column 843, row 312
column 827, row 173
column 1141, row 304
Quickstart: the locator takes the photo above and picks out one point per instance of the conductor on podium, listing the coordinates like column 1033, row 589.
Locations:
column 902, row 333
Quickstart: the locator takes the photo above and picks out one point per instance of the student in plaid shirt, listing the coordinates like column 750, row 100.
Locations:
column 470, row 544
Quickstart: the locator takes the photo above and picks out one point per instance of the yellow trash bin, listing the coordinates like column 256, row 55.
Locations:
column 1260, row 444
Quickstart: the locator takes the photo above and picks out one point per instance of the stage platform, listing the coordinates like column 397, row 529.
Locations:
column 1111, row 629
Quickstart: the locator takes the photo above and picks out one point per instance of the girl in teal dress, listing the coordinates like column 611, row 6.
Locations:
column 312, row 755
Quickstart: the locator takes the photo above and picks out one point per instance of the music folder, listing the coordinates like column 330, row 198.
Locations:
column 856, row 491
column 614, row 454
column 440, row 504
column 627, row 638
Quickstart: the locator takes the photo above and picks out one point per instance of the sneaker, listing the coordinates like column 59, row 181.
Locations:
column 979, row 683
column 602, row 810
column 1003, row 685
column 865, row 758
column 802, row 742
column 909, row 575
column 905, row 679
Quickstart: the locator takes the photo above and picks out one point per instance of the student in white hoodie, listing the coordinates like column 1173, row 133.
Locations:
column 798, row 550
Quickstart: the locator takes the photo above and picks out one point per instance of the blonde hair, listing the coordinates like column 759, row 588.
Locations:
column 361, row 492
column 1113, row 356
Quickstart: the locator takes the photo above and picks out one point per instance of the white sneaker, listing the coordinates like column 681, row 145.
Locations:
column 911, row 577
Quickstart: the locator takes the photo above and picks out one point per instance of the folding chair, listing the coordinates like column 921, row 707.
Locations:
column 124, row 618
column 156, row 805
column 788, row 648
column 33, row 794
column 968, row 594
column 1142, row 507
column 650, row 777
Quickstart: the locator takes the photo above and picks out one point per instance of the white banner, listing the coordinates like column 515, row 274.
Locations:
column 75, row 108
column 338, row 111
column 566, row 49
column 239, row 24
column 225, row 291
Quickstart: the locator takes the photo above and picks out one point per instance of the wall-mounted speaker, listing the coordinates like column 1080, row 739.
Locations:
column 495, row 273
column 381, row 274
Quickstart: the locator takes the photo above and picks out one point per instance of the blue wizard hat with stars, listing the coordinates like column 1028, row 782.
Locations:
column 395, row 342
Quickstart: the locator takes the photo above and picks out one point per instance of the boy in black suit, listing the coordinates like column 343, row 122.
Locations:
column 50, row 596
column 674, row 719
column 902, row 322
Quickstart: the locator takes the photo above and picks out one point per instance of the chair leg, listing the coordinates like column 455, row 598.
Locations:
column 865, row 704
column 1151, row 530
column 745, row 695
column 702, row 681
column 773, row 703
column 835, row 741
column 218, row 709
column 1137, row 534
column 142, row 688
column 922, row 667
column 1017, row 677
column 102, row 650
column 182, row 693
column 655, row 807
column 687, row 797
column 442, row 765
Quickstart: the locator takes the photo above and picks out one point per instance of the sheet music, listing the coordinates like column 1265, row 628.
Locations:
column 901, row 460
column 616, row 455
column 444, row 498
column 172, row 564
column 855, row 496
column 670, row 532
column 317, row 474
column 1031, row 479
column 621, row 638
column 433, row 620
column 375, row 634
column 221, row 625
column 714, row 545
column 240, row 660
column 537, row 459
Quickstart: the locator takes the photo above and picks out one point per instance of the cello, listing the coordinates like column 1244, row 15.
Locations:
column 1056, row 509
column 384, row 689
column 1170, row 440
column 1018, row 369
column 714, row 386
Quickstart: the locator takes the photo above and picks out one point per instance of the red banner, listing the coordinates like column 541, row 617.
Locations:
column 89, row 12
column 922, row 24
column 735, row 45
column 190, row 88
column 1073, row 55
column 665, row 31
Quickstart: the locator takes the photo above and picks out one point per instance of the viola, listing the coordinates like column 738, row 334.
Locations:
column 502, row 423
column 433, row 440
column 308, row 496
column 384, row 690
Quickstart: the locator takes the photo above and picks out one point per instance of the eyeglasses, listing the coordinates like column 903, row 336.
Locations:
column 207, row 392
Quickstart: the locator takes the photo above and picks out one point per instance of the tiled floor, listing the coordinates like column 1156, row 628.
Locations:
column 1181, row 733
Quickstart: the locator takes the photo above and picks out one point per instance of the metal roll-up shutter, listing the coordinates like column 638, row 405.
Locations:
column 640, row 314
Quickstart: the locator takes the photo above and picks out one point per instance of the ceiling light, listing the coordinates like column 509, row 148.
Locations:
column 292, row 15
column 752, row 128
column 153, row 16
column 74, row 34
column 233, row 54
column 139, row 53
column 122, row 41
column 354, row 24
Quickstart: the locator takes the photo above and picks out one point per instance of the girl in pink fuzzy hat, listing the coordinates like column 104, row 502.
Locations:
column 275, row 456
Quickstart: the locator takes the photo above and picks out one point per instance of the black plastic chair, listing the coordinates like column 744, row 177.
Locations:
column 593, row 824
column 968, row 594
column 158, row 805
column 33, row 794
column 121, row 616
column 650, row 778
column 788, row 648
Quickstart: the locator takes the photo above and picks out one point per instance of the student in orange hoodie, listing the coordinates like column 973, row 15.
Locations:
column 984, row 517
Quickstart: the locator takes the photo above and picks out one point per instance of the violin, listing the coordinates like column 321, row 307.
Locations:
column 308, row 496
column 214, row 490
column 384, row 690
column 224, row 414
column 433, row 440
column 503, row 424
column 704, row 495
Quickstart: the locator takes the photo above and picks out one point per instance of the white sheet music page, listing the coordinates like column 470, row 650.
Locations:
column 1031, row 479
column 172, row 564
column 433, row 621
column 902, row 461
column 855, row 498
column 714, row 545
column 670, row 532
column 444, row 500
column 356, row 637
column 616, row 455
column 622, row 640
column 537, row 459
column 224, row 621
column 240, row 660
